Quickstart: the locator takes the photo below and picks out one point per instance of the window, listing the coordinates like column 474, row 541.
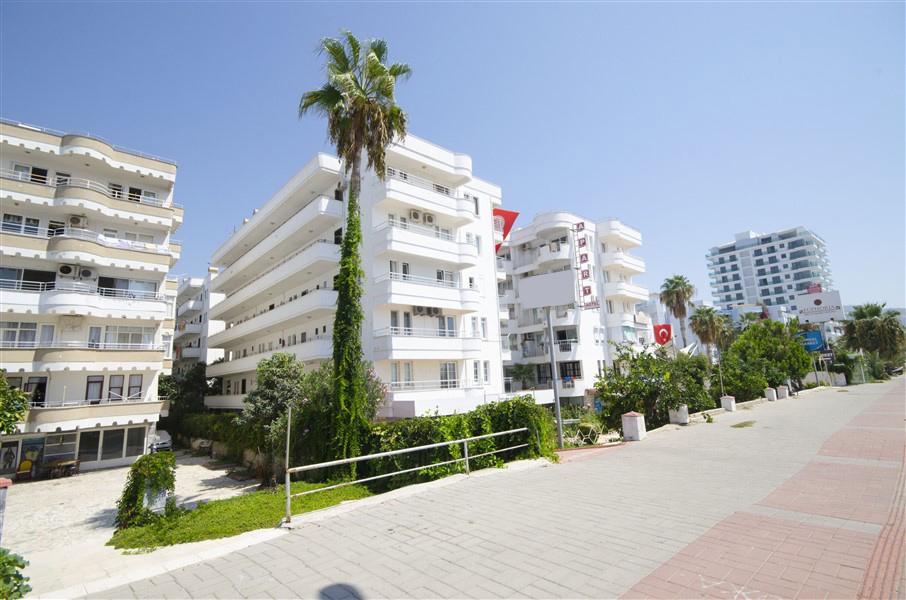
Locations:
column 115, row 387
column 475, row 202
column 445, row 277
column 475, row 330
column 142, row 337
column 243, row 387
column 135, row 387
column 60, row 446
column 115, row 190
column 14, row 382
column 571, row 369
column 89, row 443
column 167, row 340
column 47, row 335
column 487, row 371
column 484, row 328
column 401, row 374
column 36, row 387
column 447, row 375
column 476, row 371
column 94, row 389
column 478, row 243
column 338, row 236
column 135, row 441
column 63, row 178
column 12, row 223
column 18, row 335
column 112, row 445
column 94, row 337
column 135, row 194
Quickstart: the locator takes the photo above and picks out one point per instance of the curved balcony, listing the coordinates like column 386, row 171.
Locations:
column 56, row 414
column 302, row 266
column 397, row 288
column 115, row 156
column 318, row 303
column 296, row 232
column 623, row 261
column 545, row 222
column 619, row 233
column 79, row 356
column 187, row 331
column 424, row 242
column 406, row 343
column 77, row 298
column 319, row 348
column 625, row 290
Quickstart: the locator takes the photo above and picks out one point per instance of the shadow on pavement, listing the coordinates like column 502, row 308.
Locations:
column 340, row 591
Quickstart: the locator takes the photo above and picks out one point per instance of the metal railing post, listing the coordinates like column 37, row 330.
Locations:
column 289, row 423
column 465, row 452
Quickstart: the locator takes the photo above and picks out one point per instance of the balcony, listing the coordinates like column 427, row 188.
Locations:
column 230, row 401
column 303, row 265
column 193, row 352
column 79, row 298
column 623, row 261
column 553, row 253
column 565, row 350
column 61, row 186
column 190, row 308
column 407, row 190
column 64, row 414
column 188, row 330
column 399, row 288
column 406, row 343
column 424, row 242
column 619, row 233
column 318, row 303
column 300, row 230
column 623, row 289
column 319, row 348
column 32, row 356
column 418, row 398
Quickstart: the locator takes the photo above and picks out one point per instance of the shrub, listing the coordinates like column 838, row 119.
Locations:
column 155, row 473
column 741, row 383
column 13, row 584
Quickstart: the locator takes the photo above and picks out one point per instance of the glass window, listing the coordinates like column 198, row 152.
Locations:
column 113, row 444
column 448, row 375
column 18, row 335
column 95, row 388
column 135, row 387
column 89, row 442
column 135, row 441
column 487, row 371
column 115, row 387
column 12, row 223
column 476, row 366
column 60, row 446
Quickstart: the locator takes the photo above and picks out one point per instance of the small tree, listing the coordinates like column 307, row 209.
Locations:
column 13, row 406
column 772, row 350
column 278, row 385
column 524, row 374
column 151, row 474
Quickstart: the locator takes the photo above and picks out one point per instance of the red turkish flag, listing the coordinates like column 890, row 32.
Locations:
column 503, row 220
column 663, row 334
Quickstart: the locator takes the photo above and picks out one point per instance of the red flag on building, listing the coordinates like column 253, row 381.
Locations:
column 663, row 334
column 503, row 222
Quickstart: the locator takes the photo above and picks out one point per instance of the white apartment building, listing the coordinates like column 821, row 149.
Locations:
column 604, row 309
column 431, row 315
column 768, row 268
column 194, row 300
column 87, row 309
column 660, row 314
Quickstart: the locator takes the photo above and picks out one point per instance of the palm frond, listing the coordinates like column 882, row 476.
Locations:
column 355, row 47
column 379, row 47
column 339, row 60
column 400, row 70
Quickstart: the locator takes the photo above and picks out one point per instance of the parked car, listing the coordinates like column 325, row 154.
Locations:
column 162, row 442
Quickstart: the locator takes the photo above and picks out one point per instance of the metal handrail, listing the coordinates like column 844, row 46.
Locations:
column 308, row 340
column 423, row 332
column 356, row 459
column 429, row 384
column 78, row 288
column 417, row 229
column 40, row 344
column 81, row 182
column 420, row 280
column 421, row 182
column 84, row 234
column 226, row 273
column 96, row 401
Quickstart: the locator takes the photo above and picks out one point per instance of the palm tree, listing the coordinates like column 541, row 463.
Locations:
column 676, row 293
column 362, row 117
column 705, row 322
column 873, row 329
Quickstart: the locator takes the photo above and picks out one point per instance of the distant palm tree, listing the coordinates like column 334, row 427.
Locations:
column 676, row 293
column 362, row 117
column 711, row 327
column 873, row 329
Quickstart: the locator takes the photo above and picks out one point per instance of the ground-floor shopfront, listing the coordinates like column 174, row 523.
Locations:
column 36, row 455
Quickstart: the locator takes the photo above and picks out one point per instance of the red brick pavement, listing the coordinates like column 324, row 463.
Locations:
column 751, row 556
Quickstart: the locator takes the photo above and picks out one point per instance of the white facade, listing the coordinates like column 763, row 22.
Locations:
column 660, row 314
column 768, row 268
column 87, row 308
column 604, row 270
column 194, row 300
column 431, row 315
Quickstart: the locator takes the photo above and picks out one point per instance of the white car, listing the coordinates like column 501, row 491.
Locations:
column 161, row 442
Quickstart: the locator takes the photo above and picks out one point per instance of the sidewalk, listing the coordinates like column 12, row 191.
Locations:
column 805, row 503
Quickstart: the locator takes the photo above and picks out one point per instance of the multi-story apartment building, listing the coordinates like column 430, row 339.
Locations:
column 431, row 314
column 87, row 310
column 660, row 314
column 194, row 300
column 603, row 309
column 768, row 268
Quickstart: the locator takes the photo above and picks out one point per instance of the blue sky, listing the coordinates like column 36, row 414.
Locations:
column 688, row 121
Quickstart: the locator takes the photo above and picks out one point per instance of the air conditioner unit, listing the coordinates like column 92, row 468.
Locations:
column 78, row 222
column 418, row 310
column 415, row 215
column 428, row 219
column 434, row 311
column 86, row 273
column 70, row 271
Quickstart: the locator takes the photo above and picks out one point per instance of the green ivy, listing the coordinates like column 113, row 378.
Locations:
column 13, row 584
column 155, row 472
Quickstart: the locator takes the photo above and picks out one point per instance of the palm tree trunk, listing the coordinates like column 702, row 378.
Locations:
column 682, row 326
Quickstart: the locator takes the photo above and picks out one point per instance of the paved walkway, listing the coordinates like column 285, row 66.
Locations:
column 68, row 521
column 808, row 502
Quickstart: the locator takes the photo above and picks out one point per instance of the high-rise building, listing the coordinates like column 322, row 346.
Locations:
column 603, row 308
column 431, row 316
column 768, row 268
column 87, row 309
column 194, row 300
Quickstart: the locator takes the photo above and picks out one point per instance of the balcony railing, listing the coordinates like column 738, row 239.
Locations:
column 114, row 400
column 293, row 298
column 419, row 181
column 53, row 345
column 289, row 257
column 423, row 332
column 418, row 280
column 281, row 347
column 417, row 229
column 88, row 184
column 79, row 288
column 440, row 384
column 84, row 234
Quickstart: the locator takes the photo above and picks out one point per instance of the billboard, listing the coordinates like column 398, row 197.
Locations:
column 551, row 289
column 813, row 340
column 818, row 308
